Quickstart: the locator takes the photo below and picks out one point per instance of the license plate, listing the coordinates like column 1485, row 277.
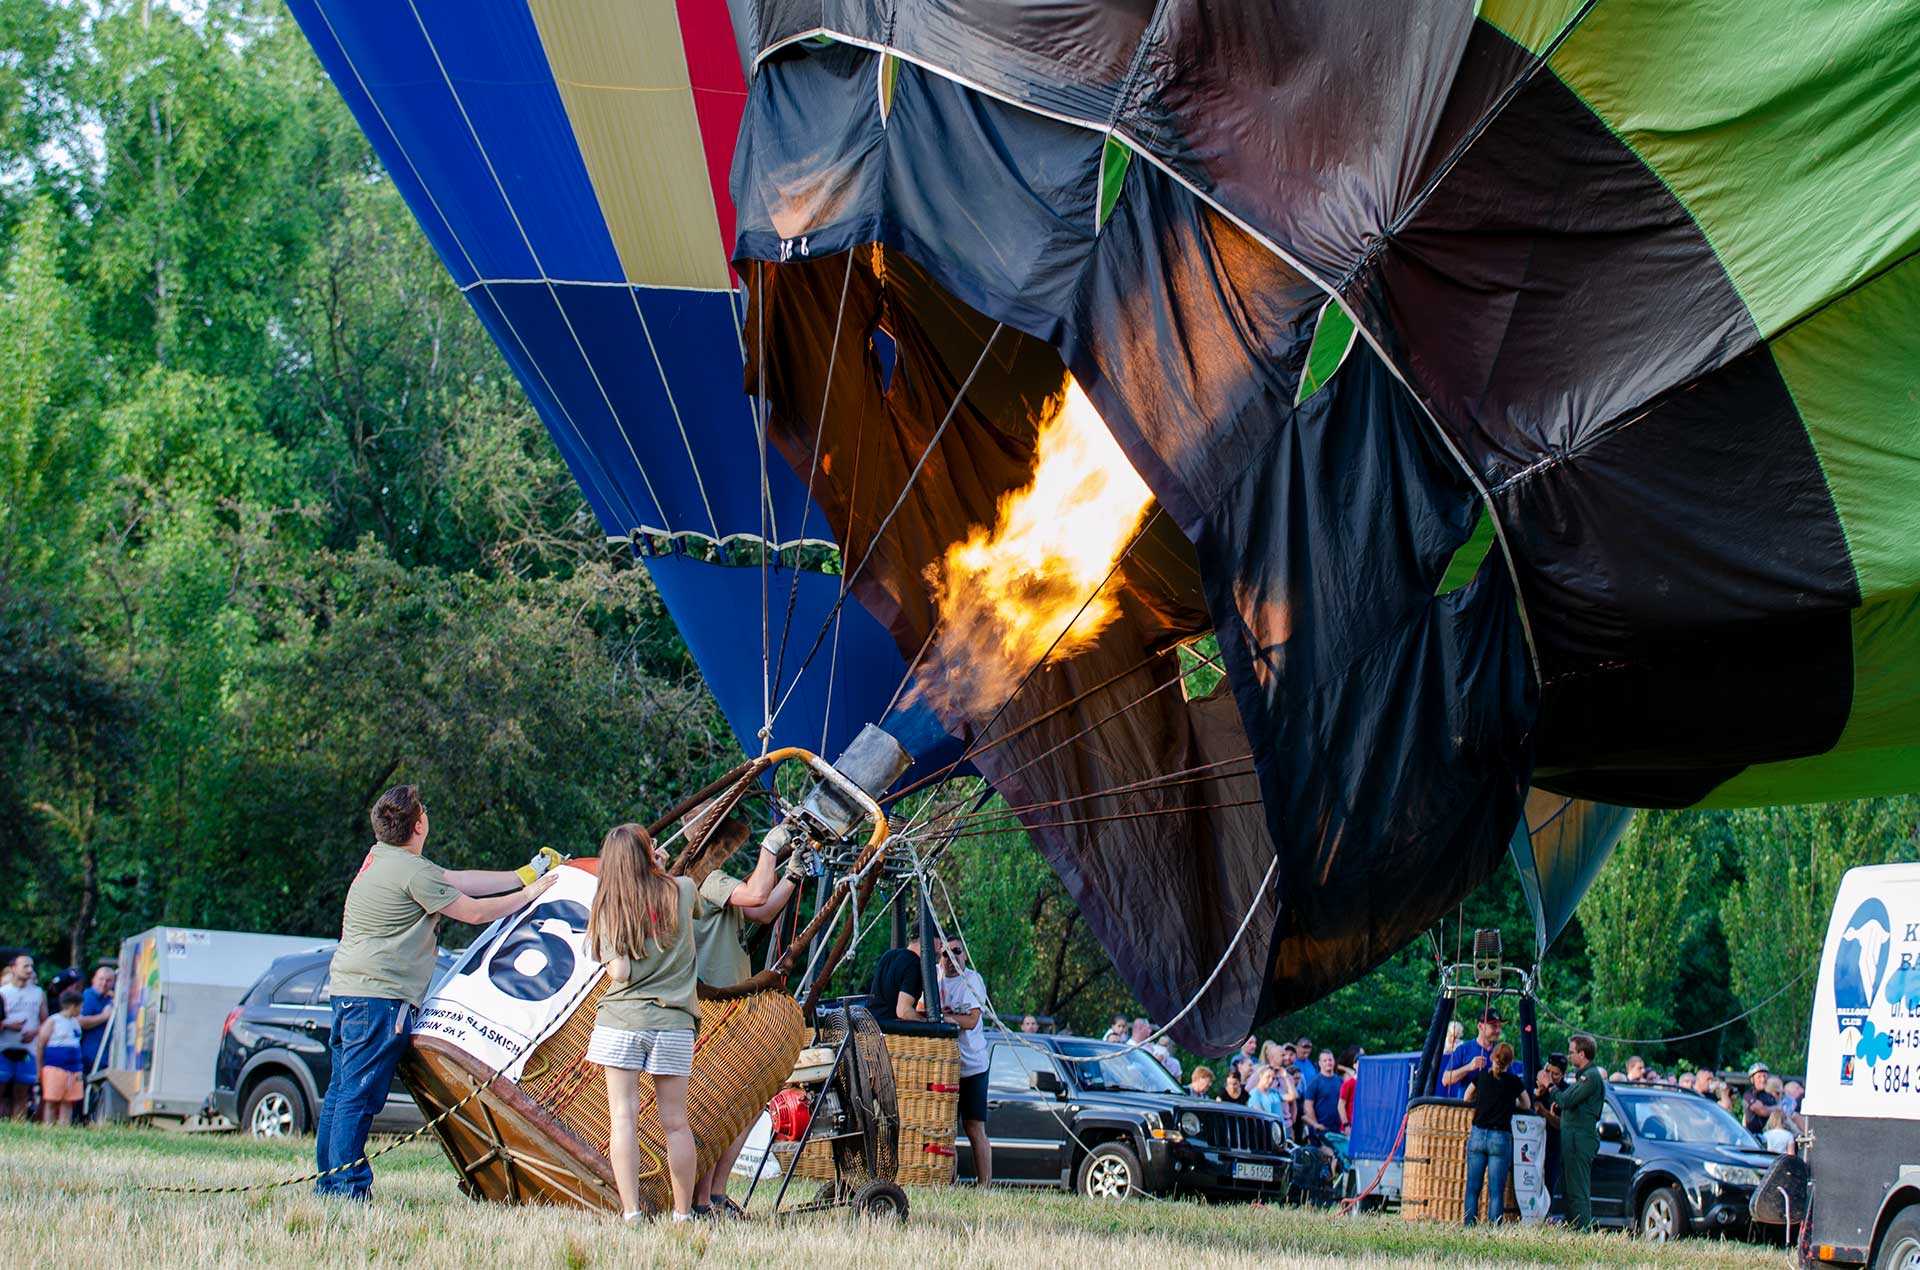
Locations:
column 1246, row 1172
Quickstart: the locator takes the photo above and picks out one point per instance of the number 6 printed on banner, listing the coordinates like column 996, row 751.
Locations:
column 557, row 960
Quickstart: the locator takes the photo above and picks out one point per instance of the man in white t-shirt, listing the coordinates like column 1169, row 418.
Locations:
column 963, row 1001
column 25, row 1007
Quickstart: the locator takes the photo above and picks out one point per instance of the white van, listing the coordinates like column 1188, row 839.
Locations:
column 1861, row 1201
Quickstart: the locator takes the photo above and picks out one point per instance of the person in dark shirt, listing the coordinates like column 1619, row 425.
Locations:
column 896, row 984
column 1760, row 1103
column 1552, row 1071
column 1235, row 1089
column 1495, row 1093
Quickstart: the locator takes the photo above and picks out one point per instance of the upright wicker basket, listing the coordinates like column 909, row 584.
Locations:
column 926, row 1077
column 1434, row 1178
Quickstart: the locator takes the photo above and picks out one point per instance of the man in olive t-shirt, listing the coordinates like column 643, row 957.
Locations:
column 383, row 965
column 721, row 913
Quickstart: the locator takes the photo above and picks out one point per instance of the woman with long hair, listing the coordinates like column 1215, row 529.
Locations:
column 1264, row 1096
column 641, row 928
column 1496, row 1093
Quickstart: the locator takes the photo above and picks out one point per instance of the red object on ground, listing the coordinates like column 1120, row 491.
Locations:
column 790, row 1115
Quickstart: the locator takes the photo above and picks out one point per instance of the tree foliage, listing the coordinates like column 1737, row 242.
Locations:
column 276, row 527
column 1645, row 905
column 1787, row 865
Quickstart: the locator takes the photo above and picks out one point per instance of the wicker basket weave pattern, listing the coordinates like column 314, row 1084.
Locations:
column 926, row 1078
column 1434, row 1176
column 744, row 1053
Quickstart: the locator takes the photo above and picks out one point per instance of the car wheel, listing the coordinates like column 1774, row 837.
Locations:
column 1900, row 1246
column 1110, row 1171
column 275, row 1109
column 1663, row 1215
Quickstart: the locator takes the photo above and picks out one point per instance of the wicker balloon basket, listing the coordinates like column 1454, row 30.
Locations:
column 1434, row 1177
column 926, row 1076
column 544, row 1138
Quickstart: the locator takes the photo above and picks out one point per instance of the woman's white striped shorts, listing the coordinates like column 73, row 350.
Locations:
column 656, row 1052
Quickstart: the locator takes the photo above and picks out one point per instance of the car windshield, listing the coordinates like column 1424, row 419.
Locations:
column 1097, row 1066
column 1681, row 1117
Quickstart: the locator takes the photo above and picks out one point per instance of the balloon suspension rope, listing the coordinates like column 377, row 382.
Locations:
column 1017, row 1037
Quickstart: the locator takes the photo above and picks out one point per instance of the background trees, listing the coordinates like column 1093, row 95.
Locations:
column 277, row 527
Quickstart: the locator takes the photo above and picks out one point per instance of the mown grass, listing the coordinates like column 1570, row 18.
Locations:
column 78, row 1198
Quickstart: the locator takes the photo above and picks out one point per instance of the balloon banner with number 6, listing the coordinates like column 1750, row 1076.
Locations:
column 515, row 984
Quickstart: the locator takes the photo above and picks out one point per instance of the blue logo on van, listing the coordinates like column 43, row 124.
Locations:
column 1859, row 968
column 1860, row 964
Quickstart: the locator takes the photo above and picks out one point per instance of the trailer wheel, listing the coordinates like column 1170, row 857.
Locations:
column 1900, row 1246
column 275, row 1109
column 882, row 1201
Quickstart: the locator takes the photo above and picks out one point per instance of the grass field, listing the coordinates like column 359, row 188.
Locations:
column 76, row 1198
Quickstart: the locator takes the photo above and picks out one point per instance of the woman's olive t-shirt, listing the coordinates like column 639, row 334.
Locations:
column 660, row 995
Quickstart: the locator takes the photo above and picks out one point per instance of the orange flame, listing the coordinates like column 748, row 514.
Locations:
column 1006, row 595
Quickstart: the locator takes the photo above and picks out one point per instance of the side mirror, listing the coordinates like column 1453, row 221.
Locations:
column 1046, row 1083
column 1610, row 1131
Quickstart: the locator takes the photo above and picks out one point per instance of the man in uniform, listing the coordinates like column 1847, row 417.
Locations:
column 383, row 965
column 1579, row 1105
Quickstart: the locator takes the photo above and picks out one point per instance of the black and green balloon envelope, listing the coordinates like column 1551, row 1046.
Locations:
column 1524, row 396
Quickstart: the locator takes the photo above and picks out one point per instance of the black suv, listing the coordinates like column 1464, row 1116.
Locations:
column 1672, row 1163
column 273, row 1064
column 1094, row 1117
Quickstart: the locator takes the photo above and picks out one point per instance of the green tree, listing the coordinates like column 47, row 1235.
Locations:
column 1645, row 905
column 66, row 745
column 1788, row 862
column 50, row 443
column 43, row 146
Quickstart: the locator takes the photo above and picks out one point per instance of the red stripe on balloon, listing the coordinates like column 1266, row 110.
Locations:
column 719, row 96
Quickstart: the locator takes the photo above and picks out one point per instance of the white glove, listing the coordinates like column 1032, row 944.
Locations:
column 779, row 841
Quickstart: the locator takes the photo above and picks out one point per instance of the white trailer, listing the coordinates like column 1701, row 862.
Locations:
column 171, row 1001
column 1853, row 1194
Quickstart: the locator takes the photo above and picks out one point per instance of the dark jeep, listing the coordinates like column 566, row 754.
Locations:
column 1095, row 1117
column 272, row 1068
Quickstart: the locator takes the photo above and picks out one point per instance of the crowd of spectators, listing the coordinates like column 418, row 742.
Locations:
column 1767, row 1105
column 49, row 1037
column 1311, row 1094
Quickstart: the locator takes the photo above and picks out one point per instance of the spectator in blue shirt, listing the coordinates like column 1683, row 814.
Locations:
column 1320, row 1097
column 96, row 1008
column 1469, row 1058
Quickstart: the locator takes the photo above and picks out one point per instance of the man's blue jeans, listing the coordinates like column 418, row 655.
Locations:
column 368, row 1039
column 1489, row 1152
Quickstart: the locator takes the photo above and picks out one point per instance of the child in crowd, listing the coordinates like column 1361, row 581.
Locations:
column 62, row 1078
column 1778, row 1135
column 641, row 926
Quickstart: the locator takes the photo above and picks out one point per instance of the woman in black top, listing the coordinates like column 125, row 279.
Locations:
column 1235, row 1091
column 1496, row 1093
